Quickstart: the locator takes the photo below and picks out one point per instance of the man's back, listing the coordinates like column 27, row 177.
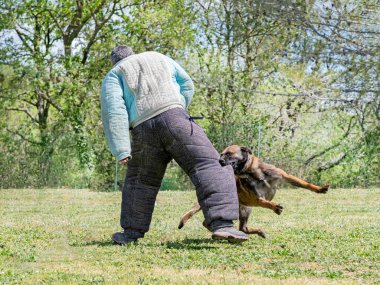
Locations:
column 152, row 81
column 138, row 88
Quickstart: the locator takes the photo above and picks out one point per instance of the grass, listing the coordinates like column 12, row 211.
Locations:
column 62, row 236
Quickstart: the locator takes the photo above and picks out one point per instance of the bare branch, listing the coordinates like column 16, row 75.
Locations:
column 23, row 37
column 18, row 96
column 310, row 159
column 24, row 111
column 344, row 47
column 50, row 100
column 75, row 26
column 377, row 110
column 332, row 163
column 98, row 27
column 23, row 137
column 55, row 20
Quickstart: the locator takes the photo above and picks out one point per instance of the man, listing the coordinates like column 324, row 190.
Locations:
column 148, row 94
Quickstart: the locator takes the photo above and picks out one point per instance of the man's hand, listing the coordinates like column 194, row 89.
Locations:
column 124, row 161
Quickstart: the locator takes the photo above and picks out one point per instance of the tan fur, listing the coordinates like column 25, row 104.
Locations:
column 260, row 189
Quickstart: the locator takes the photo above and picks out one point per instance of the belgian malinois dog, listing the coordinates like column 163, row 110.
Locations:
column 256, row 184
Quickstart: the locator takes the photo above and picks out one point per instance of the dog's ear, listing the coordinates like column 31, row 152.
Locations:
column 246, row 149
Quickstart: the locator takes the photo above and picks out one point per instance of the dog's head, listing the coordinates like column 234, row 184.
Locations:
column 236, row 156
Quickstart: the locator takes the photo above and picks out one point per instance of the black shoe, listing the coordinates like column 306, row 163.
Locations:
column 229, row 233
column 122, row 239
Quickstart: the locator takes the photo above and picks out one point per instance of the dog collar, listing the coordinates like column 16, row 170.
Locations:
column 246, row 164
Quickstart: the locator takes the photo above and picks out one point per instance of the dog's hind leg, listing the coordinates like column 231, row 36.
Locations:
column 196, row 208
column 295, row 181
column 244, row 213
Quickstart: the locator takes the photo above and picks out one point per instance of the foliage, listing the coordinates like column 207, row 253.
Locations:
column 59, row 51
column 305, row 72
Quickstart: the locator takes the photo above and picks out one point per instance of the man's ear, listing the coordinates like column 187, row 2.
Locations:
column 246, row 149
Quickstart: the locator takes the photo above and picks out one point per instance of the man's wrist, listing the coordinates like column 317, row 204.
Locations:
column 124, row 160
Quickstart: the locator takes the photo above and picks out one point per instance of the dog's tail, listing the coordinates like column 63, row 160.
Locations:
column 196, row 208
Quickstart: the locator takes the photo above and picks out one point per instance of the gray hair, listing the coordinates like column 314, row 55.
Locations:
column 119, row 53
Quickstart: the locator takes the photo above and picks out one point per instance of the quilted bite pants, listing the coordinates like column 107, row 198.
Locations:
column 173, row 135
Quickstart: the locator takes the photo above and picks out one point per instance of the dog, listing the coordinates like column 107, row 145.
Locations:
column 256, row 184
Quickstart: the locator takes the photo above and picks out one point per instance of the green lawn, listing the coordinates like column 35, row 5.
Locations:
column 62, row 236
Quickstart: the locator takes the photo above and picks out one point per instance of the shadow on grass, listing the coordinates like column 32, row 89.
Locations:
column 192, row 244
column 94, row 242
column 189, row 244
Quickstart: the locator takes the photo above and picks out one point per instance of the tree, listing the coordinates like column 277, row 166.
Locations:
column 59, row 51
column 306, row 72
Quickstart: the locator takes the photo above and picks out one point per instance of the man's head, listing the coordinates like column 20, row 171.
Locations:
column 119, row 53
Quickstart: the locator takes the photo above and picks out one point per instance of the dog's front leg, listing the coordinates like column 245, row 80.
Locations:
column 277, row 208
column 244, row 213
column 253, row 185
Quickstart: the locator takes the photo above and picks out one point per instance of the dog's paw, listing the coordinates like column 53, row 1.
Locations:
column 258, row 232
column 262, row 234
column 278, row 209
column 181, row 224
column 324, row 189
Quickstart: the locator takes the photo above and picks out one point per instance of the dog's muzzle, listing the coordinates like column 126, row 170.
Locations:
column 232, row 162
column 222, row 162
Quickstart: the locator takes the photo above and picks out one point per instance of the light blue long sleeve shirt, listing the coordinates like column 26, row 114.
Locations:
column 136, row 89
